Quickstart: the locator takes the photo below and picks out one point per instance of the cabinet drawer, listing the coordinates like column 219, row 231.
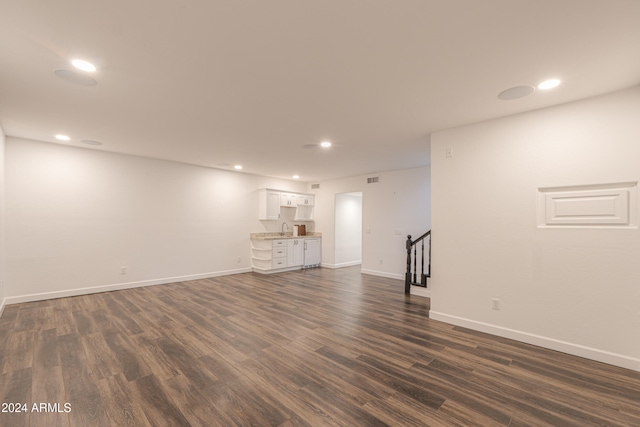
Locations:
column 279, row 263
column 279, row 244
column 279, row 252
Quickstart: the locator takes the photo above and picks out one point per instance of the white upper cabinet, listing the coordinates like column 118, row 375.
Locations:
column 288, row 199
column 304, row 211
column 272, row 200
column 305, row 200
column 269, row 205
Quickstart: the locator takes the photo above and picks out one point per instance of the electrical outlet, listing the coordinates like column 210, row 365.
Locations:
column 448, row 152
column 123, row 270
column 239, row 260
column 495, row 304
column 380, row 262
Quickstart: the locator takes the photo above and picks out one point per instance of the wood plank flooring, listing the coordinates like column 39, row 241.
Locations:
column 318, row 347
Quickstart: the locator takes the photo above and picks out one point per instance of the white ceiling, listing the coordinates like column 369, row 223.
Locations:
column 257, row 82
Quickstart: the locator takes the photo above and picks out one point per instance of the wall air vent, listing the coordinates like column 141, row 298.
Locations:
column 373, row 179
column 315, row 186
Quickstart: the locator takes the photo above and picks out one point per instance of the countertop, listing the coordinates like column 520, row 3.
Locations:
column 279, row 236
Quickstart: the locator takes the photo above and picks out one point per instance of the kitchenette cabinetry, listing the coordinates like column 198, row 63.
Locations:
column 295, row 252
column 305, row 200
column 289, row 200
column 272, row 201
column 272, row 254
column 268, row 254
column 269, row 205
column 304, row 210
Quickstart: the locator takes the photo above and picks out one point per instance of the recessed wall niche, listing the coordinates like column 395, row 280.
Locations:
column 589, row 206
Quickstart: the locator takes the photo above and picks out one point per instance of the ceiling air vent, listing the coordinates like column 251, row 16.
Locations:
column 373, row 179
column 315, row 186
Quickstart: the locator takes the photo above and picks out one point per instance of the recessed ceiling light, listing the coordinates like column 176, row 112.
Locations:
column 296, row 176
column 549, row 84
column 61, row 137
column 237, row 167
column 83, row 65
column 325, row 144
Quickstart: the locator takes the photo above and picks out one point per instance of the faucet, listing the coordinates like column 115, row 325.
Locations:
column 282, row 228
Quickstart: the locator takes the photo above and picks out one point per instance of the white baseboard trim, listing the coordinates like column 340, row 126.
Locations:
column 383, row 274
column 118, row 286
column 342, row 264
column 546, row 342
column 420, row 291
column 279, row 270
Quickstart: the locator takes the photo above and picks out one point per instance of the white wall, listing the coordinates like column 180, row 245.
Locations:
column 2, row 223
column 75, row 216
column 399, row 203
column 348, row 229
column 575, row 290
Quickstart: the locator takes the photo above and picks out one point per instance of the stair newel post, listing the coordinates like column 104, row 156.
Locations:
column 407, row 276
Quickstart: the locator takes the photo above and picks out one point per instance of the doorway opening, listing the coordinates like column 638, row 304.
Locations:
column 348, row 229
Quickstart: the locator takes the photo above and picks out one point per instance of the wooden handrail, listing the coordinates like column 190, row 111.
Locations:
column 428, row 233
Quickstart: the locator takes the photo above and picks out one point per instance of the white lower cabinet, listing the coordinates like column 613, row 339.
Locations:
column 295, row 252
column 269, row 256
column 279, row 263
column 279, row 254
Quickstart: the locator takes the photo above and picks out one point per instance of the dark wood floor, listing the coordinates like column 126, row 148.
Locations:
column 311, row 348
